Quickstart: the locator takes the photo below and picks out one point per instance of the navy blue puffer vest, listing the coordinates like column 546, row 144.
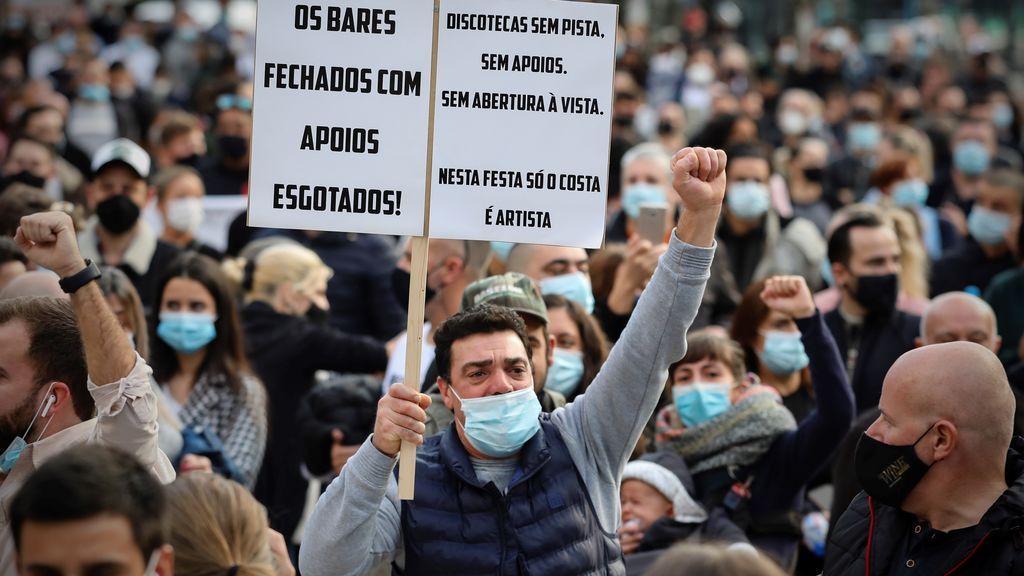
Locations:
column 544, row 525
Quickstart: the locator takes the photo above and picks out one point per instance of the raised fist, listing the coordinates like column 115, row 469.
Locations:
column 48, row 239
column 698, row 176
column 789, row 295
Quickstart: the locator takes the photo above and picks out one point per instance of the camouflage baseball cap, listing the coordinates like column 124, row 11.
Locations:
column 511, row 290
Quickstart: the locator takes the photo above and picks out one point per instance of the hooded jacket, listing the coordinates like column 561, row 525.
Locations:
column 867, row 540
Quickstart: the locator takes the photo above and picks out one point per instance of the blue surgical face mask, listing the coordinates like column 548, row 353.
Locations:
column 639, row 194
column 826, row 272
column 565, row 372
column 971, row 157
column 499, row 425
column 748, row 199
column 502, row 249
column 701, row 402
column 575, row 287
column 1002, row 115
column 988, row 227
column 94, row 92
column 186, row 332
column 784, row 353
column 910, row 193
column 13, row 452
column 863, row 136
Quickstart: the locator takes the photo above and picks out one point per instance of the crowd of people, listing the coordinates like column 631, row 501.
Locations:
column 816, row 365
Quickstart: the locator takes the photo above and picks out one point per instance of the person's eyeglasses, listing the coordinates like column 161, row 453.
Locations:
column 230, row 101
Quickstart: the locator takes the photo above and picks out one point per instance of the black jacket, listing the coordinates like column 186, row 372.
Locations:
column 965, row 266
column 868, row 538
column 286, row 352
column 347, row 403
column 883, row 341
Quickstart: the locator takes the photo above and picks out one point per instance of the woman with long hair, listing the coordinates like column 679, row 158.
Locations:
column 198, row 359
column 580, row 347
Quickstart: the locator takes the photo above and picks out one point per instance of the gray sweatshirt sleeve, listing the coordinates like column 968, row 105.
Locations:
column 356, row 524
column 602, row 426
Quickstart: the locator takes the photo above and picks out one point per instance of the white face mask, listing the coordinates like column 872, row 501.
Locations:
column 185, row 214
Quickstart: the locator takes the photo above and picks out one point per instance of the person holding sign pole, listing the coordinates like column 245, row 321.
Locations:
column 504, row 489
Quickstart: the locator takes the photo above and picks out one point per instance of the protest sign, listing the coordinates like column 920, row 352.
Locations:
column 523, row 103
column 501, row 111
column 341, row 98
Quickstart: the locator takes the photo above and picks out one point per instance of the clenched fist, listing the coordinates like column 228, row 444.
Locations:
column 400, row 416
column 48, row 239
column 789, row 295
column 698, row 176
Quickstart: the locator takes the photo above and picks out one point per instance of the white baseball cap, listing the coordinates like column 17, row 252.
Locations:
column 124, row 151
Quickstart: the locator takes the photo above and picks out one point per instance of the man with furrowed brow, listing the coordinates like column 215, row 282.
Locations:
column 506, row 490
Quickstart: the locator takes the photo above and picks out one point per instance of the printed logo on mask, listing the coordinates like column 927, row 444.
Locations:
column 894, row 472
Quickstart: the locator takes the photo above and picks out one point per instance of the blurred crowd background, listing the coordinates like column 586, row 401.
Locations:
column 136, row 118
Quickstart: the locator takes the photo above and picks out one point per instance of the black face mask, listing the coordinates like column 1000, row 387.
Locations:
column 878, row 294
column 622, row 121
column 233, row 147
column 24, row 177
column 889, row 473
column 317, row 315
column 665, row 128
column 400, row 281
column 191, row 161
column 117, row 214
column 814, row 175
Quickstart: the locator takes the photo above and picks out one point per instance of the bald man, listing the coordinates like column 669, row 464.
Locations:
column 951, row 317
column 34, row 283
column 943, row 491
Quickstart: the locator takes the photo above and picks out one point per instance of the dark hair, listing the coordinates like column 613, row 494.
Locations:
column 483, row 319
column 55, row 346
column 746, row 323
column 225, row 355
column 9, row 251
column 94, row 480
column 27, row 115
column 703, row 345
column 748, row 150
column 595, row 343
column 839, row 249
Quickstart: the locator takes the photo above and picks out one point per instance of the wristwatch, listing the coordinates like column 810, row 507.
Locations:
column 72, row 283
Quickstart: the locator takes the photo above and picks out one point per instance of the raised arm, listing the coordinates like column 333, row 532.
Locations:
column 48, row 239
column 602, row 426
column 119, row 380
column 798, row 455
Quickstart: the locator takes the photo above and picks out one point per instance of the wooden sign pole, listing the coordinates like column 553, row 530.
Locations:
column 418, row 287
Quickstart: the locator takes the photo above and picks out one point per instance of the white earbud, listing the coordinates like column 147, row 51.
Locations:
column 49, row 404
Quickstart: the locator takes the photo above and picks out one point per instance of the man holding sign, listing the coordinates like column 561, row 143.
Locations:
column 505, row 490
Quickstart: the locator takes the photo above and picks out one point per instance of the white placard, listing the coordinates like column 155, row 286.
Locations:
column 522, row 121
column 341, row 101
